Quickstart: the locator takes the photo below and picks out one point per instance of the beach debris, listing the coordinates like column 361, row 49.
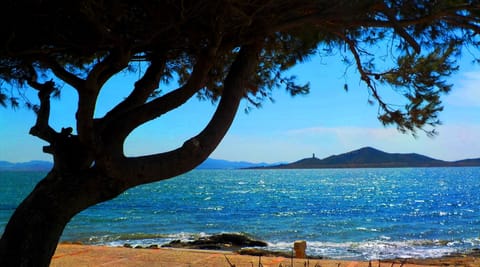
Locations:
column 300, row 247
column 229, row 263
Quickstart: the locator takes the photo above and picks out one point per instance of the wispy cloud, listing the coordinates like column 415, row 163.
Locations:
column 466, row 91
column 345, row 131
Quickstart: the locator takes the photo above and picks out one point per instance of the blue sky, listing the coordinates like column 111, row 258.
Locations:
column 327, row 121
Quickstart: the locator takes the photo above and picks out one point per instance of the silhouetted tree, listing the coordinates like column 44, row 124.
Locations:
column 224, row 51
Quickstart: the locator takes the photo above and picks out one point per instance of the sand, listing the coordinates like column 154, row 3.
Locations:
column 68, row 255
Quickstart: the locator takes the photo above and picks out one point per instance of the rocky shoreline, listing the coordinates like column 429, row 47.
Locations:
column 245, row 245
column 225, row 241
column 71, row 255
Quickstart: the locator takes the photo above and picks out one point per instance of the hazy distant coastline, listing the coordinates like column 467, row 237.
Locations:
column 34, row 165
column 366, row 157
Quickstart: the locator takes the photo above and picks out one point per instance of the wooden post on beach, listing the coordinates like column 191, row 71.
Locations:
column 299, row 247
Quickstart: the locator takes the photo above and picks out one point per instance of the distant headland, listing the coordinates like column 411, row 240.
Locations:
column 368, row 157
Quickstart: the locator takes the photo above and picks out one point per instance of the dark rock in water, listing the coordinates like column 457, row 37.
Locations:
column 237, row 240
column 226, row 241
column 475, row 252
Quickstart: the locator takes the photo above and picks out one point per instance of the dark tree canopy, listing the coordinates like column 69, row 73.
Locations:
column 222, row 51
column 70, row 38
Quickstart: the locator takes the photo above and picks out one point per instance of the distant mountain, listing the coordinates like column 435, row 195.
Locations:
column 225, row 164
column 467, row 162
column 369, row 157
column 37, row 165
column 366, row 157
column 34, row 165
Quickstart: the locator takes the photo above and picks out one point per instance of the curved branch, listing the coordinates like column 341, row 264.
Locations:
column 465, row 22
column 143, row 89
column 114, row 62
column 319, row 18
column 399, row 29
column 363, row 74
column 121, row 125
column 146, row 169
column 62, row 73
column 42, row 129
column 117, row 60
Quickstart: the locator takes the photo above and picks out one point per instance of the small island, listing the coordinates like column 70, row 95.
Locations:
column 368, row 157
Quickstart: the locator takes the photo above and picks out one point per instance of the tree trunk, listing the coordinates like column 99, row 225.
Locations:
column 32, row 234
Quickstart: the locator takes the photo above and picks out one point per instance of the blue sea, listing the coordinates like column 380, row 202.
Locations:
column 341, row 213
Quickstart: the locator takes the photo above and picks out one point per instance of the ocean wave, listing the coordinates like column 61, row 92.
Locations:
column 141, row 239
column 367, row 229
column 380, row 249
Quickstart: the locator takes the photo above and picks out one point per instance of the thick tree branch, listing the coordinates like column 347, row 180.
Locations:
column 319, row 18
column 150, row 81
column 62, row 73
column 141, row 170
column 119, row 127
column 144, row 87
column 171, row 100
column 465, row 22
column 113, row 63
column 116, row 60
column 42, row 129
column 399, row 29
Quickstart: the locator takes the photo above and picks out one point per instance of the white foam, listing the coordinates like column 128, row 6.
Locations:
column 371, row 250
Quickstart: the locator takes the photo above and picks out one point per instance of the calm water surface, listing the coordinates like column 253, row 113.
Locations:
column 342, row 213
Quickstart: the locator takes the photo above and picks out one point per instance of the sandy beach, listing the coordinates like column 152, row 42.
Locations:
column 68, row 255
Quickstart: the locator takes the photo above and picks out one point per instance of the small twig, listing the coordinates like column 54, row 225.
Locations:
column 229, row 263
